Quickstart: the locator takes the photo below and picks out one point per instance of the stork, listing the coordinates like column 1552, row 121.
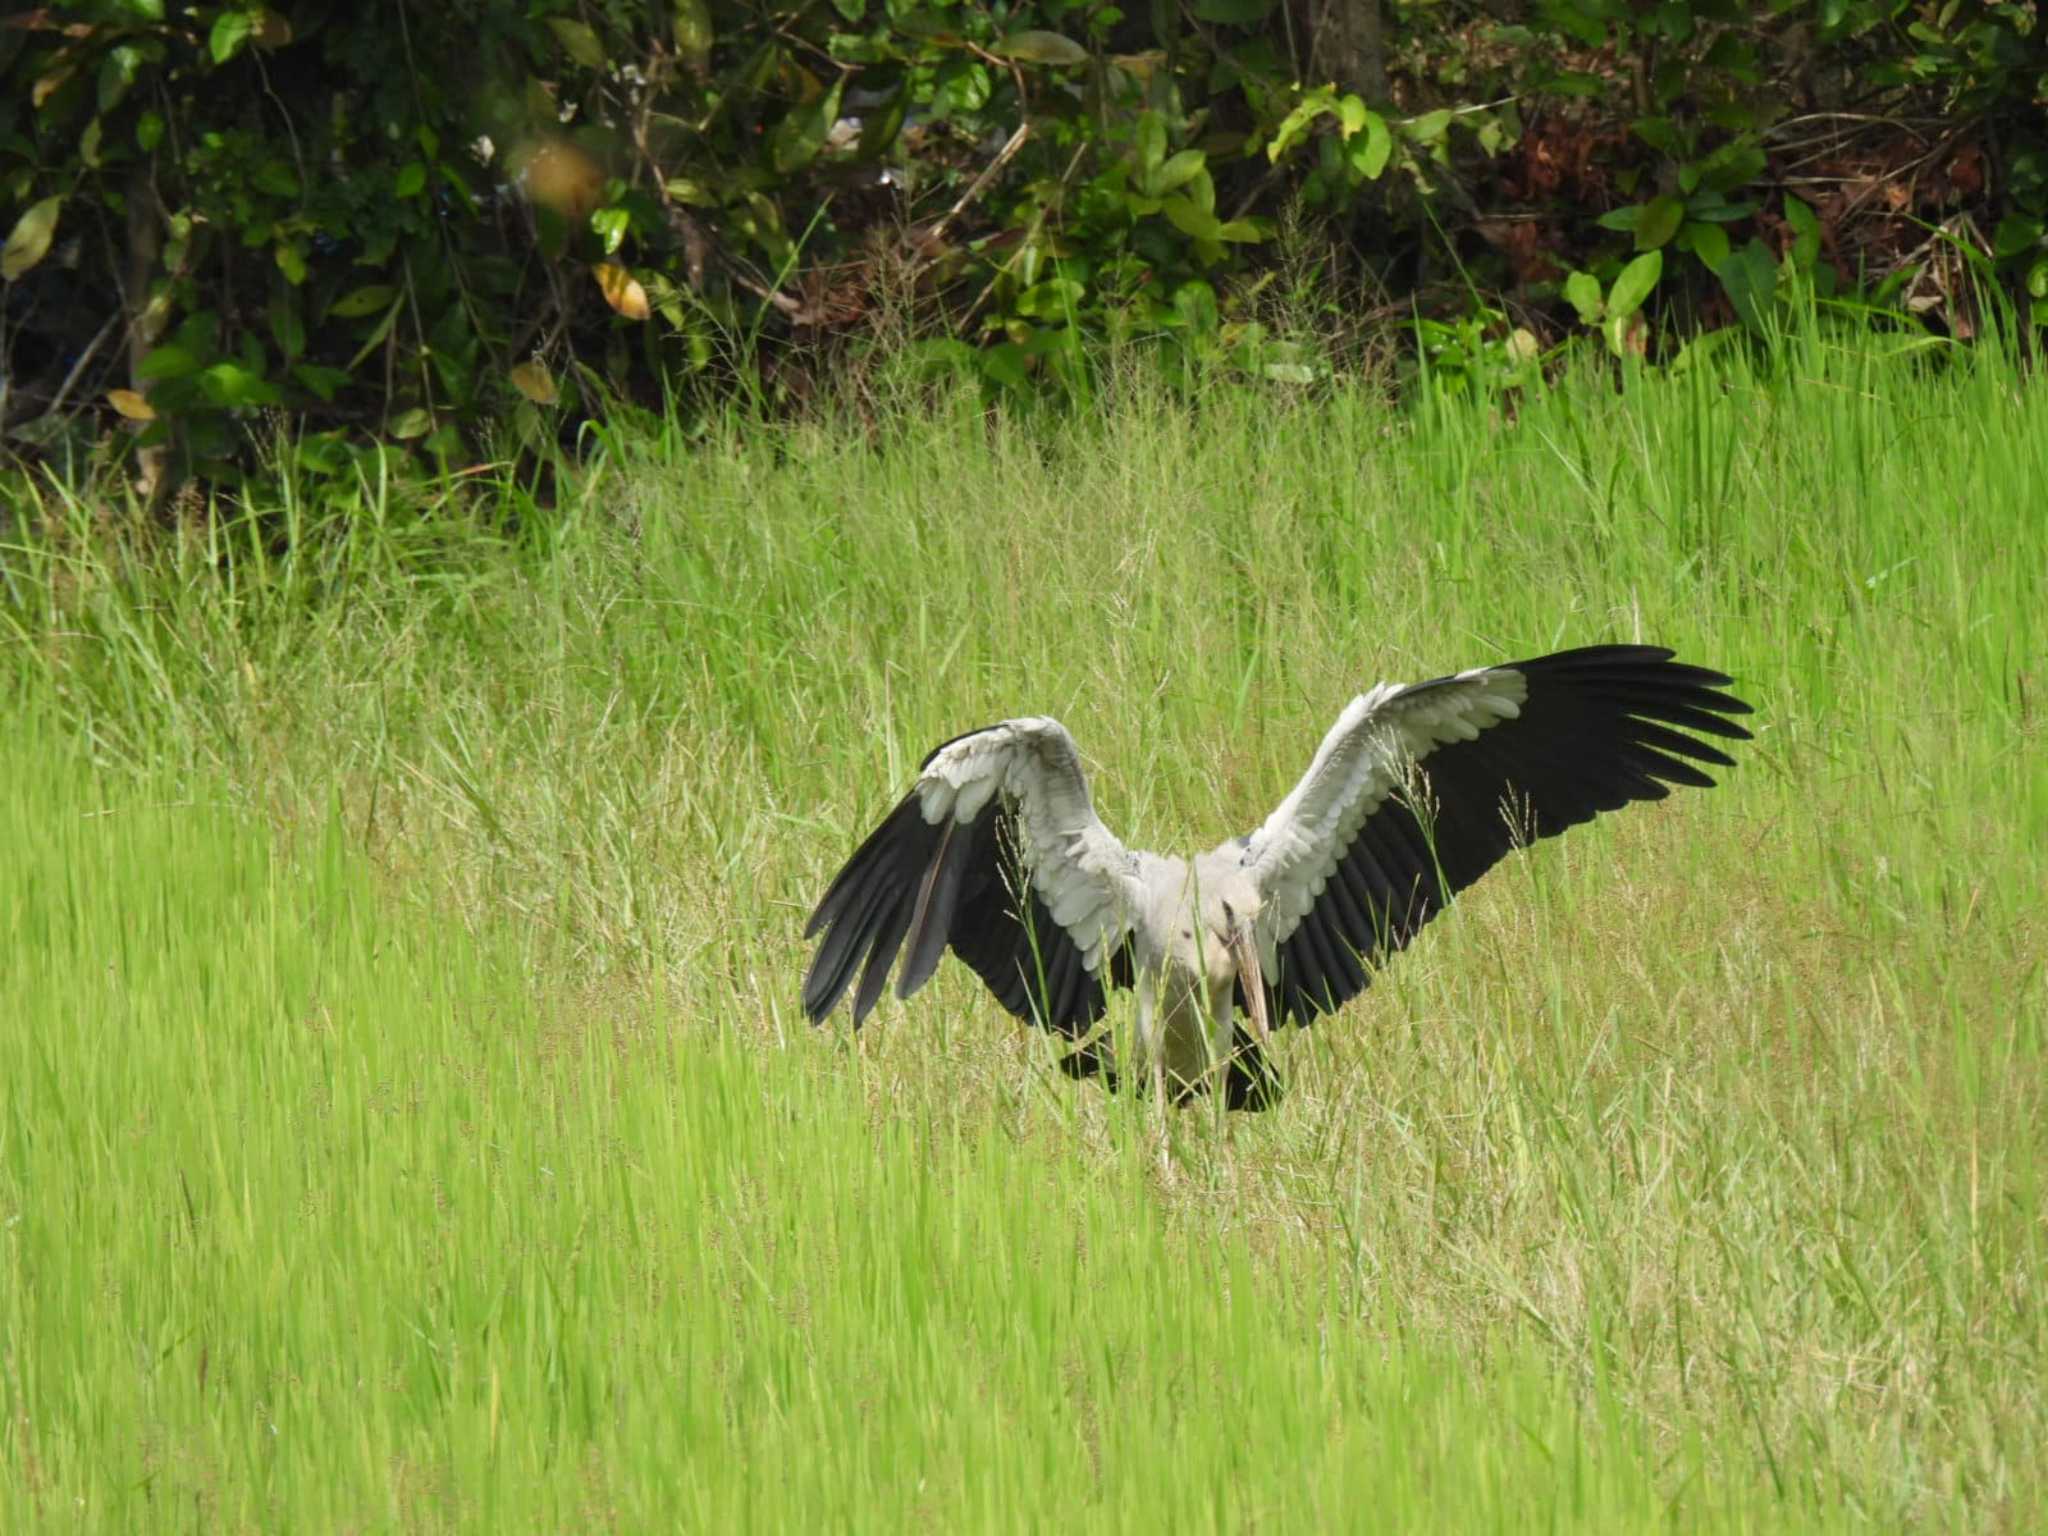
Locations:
column 1415, row 792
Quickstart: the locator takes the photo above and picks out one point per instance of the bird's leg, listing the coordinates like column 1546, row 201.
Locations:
column 1150, row 1052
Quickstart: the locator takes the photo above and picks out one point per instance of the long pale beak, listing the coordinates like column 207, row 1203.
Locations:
column 1244, row 949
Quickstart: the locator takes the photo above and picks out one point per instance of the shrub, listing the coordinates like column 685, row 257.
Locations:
column 410, row 221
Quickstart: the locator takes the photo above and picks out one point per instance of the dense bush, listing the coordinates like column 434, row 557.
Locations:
column 412, row 219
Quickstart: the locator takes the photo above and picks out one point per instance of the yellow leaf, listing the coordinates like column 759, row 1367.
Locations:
column 535, row 382
column 621, row 290
column 131, row 405
column 30, row 242
column 46, row 87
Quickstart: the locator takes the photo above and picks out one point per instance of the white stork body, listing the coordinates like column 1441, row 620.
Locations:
column 1414, row 793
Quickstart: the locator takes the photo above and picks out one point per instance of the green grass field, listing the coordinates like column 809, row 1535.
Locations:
column 406, row 1122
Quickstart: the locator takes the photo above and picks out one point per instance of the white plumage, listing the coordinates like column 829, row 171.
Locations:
column 1413, row 794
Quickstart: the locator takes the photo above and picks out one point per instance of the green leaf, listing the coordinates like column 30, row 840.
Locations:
column 1195, row 302
column 291, row 261
column 2016, row 233
column 1151, row 141
column 325, row 383
column 691, row 25
column 1634, row 285
column 796, row 140
column 410, row 181
column 1054, row 299
column 285, row 326
column 1582, row 291
column 610, row 226
column 1709, row 242
column 1370, row 158
column 1706, row 209
column 1805, row 232
column 578, row 41
column 688, row 189
column 1351, row 116
column 852, row 10
column 1616, row 329
column 1296, row 123
column 1003, row 364
column 169, row 361
column 1660, row 219
column 939, row 355
column 1233, row 13
column 117, row 73
column 1177, row 172
column 1750, row 278
column 1732, row 165
column 1035, row 47
column 1240, row 232
column 30, row 241
column 2037, row 280
column 417, row 422
column 149, row 131
column 233, row 386
column 363, row 301
column 879, row 129
column 1623, row 219
column 962, row 85
column 278, row 178
column 1190, row 219
column 1428, row 128
column 1661, row 134
column 231, row 30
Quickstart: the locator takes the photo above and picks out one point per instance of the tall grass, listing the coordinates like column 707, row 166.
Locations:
column 408, row 1121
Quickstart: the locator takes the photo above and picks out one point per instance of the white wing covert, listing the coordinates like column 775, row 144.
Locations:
column 996, row 852
column 1417, row 791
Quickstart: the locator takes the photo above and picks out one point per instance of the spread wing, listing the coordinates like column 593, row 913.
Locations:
column 997, row 852
column 1418, row 791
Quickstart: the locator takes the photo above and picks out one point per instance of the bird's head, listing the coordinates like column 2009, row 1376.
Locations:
column 1218, row 941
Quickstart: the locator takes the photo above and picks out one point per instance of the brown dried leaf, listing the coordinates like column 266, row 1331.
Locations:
column 131, row 405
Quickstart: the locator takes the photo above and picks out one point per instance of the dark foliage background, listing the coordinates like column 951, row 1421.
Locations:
column 416, row 222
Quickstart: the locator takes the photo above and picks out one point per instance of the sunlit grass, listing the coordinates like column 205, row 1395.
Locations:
column 407, row 1120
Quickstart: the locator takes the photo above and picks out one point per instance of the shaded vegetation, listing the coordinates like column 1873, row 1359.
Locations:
column 413, row 221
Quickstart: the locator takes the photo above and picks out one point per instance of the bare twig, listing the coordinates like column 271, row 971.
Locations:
column 1031, row 234
column 106, row 329
column 936, row 235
